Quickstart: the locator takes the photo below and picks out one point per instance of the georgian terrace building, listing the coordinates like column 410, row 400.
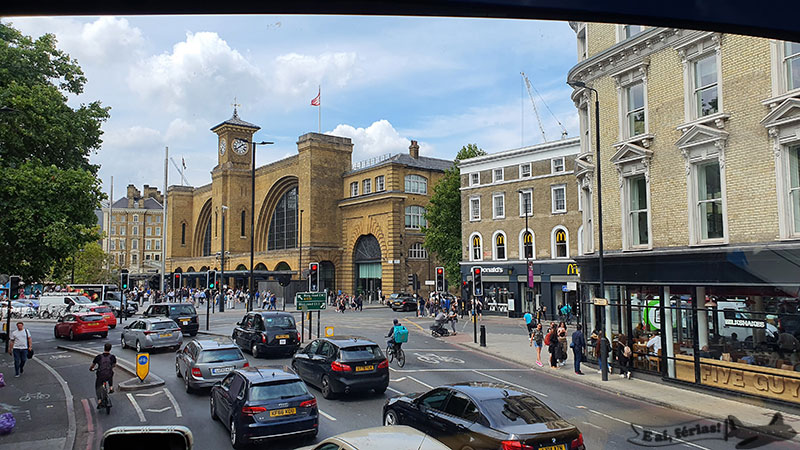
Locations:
column 498, row 191
column 700, row 143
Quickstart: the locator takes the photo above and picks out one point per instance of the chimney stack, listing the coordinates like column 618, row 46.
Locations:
column 133, row 194
column 413, row 149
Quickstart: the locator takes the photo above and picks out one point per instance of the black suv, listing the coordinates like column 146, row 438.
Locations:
column 263, row 332
column 402, row 302
column 183, row 314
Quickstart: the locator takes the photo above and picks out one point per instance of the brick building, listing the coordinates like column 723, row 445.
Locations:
column 498, row 191
column 699, row 140
column 362, row 222
column 135, row 231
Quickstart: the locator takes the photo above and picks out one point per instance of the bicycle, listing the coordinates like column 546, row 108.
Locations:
column 105, row 400
column 401, row 355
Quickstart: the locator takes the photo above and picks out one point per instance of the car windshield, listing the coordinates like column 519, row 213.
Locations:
column 279, row 322
column 102, row 309
column 277, row 391
column 163, row 326
column 517, row 410
column 81, row 300
column 182, row 310
column 221, row 355
column 361, row 352
column 113, row 296
column 91, row 318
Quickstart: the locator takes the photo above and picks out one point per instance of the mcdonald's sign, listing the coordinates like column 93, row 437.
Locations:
column 572, row 269
column 561, row 237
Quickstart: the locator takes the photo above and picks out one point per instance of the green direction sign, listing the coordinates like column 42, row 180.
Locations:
column 310, row 301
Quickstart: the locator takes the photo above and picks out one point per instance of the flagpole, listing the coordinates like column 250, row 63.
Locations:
column 319, row 121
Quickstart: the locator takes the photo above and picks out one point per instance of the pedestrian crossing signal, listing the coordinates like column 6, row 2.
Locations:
column 211, row 279
column 176, row 281
column 313, row 277
column 124, row 278
column 440, row 279
column 477, row 282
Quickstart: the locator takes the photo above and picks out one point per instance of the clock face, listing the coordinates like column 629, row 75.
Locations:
column 222, row 146
column 239, row 146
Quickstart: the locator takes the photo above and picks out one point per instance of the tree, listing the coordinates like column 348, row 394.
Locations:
column 90, row 265
column 48, row 188
column 443, row 217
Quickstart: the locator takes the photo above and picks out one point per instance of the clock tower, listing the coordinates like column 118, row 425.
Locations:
column 234, row 141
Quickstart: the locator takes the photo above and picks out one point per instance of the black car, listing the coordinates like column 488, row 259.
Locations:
column 257, row 403
column 402, row 302
column 342, row 364
column 267, row 332
column 481, row 415
column 183, row 314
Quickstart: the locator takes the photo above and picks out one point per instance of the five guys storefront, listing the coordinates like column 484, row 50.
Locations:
column 721, row 318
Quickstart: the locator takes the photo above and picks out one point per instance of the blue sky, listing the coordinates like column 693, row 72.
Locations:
column 385, row 80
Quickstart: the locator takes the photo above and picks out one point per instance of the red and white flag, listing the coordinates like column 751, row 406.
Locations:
column 315, row 101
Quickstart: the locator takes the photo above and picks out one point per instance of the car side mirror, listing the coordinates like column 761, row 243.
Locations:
column 239, row 323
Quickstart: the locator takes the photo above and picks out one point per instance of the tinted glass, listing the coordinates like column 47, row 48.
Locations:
column 517, row 410
column 457, row 405
column 103, row 309
column 163, row 326
column 81, row 300
column 279, row 322
column 360, row 352
column 221, row 355
column 277, row 391
column 182, row 310
column 435, row 399
column 91, row 318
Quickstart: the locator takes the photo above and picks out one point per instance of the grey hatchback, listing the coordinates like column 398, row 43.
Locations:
column 151, row 334
column 203, row 362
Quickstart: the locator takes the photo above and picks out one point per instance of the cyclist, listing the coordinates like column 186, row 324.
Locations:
column 104, row 363
column 395, row 346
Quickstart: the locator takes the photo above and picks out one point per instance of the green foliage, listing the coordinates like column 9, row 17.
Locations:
column 443, row 233
column 48, row 188
column 91, row 265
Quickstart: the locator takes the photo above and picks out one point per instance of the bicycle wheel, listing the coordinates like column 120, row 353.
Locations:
column 389, row 353
column 401, row 358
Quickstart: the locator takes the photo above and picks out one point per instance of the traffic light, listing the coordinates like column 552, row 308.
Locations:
column 211, row 279
column 313, row 277
column 124, row 279
column 411, row 280
column 176, row 280
column 440, row 279
column 477, row 282
column 13, row 287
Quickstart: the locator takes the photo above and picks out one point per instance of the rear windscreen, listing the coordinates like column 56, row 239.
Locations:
column 103, row 309
column 91, row 318
column 279, row 322
column 221, row 355
column 163, row 326
column 182, row 310
column 361, row 352
column 277, row 391
column 517, row 410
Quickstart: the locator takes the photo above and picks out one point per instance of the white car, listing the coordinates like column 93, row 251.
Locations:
column 398, row 437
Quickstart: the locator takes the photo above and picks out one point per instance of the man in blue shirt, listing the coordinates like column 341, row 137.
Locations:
column 578, row 344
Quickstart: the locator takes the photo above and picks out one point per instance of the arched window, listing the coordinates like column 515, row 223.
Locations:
column 183, row 233
column 244, row 216
column 207, row 239
column 283, row 227
column 416, row 184
column 560, row 242
column 417, row 251
column 136, row 217
column 415, row 217
column 499, row 245
column 476, row 249
column 526, row 245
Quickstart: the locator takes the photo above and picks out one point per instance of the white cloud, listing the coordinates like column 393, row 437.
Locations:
column 377, row 139
column 299, row 74
column 179, row 130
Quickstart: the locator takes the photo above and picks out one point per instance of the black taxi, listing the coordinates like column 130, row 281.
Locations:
column 267, row 333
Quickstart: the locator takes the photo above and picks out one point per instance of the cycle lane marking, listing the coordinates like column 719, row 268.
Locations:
column 172, row 400
column 326, row 415
column 139, row 411
column 72, row 430
column 420, row 382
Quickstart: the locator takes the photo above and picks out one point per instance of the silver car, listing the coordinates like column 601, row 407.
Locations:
column 152, row 333
column 203, row 362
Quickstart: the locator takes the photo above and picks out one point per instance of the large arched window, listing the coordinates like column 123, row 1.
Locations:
column 527, row 245
column 499, row 241
column 283, row 227
column 560, row 242
column 415, row 217
column 416, row 184
column 207, row 239
column 417, row 251
column 475, row 248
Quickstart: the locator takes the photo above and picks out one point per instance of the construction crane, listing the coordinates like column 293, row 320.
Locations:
column 180, row 171
column 531, row 90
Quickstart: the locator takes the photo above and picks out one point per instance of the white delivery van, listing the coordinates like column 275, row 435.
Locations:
column 55, row 302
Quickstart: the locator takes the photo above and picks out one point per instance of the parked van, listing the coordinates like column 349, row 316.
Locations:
column 54, row 302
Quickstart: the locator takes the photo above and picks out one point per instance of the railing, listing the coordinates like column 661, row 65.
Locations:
column 370, row 162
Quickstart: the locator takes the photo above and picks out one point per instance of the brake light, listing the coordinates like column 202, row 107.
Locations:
column 247, row 364
column 309, row 403
column 196, row 372
column 577, row 443
column 263, row 339
column 515, row 445
column 252, row 410
column 298, row 336
column 339, row 367
column 384, row 364
column 147, row 333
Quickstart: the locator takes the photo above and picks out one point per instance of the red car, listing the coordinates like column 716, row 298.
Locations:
column 81, row 324
column 107, row 313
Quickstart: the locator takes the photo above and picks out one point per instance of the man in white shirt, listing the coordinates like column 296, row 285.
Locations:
column 654, row 344
column 21, row 343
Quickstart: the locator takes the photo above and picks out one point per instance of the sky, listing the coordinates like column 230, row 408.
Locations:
column 445, row 82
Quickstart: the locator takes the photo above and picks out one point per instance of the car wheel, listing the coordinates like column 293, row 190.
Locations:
column 254, row 351
column 193, row 334
column 55, row 332
column 186, row 385
column 138, row 346
column 71, row 335
column 390, row 418
column 235, row 439
column 213, row 409
column 104, row 335
column 122, row 342
column 178, row 370
column 327, row 390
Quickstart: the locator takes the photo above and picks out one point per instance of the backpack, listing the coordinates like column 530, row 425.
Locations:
column 400, row 334
column 105, row 368
column 547, row 339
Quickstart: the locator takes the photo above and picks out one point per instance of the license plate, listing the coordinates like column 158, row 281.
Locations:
column 185, row 321
column 282, row 336
column 220, row 370
column 282, row 342
column 282, row 412
column 554, row 447
column 166, row 335
column 94, row 323
column 364, row 368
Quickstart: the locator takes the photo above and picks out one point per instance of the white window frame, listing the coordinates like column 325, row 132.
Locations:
column 122, row 230
column 113, row 244
column 113, row 230
column 785, row 186
column 158, row 231
column 627, row 225
column 522, row 244
column 149, row 219
column 695, row 229
column 498, row 175
column 134, row 244
column 582, row 38
column 366, row 186
column 555, row 163
column 148, row 231
column 380, row 183
column 580, row 240
column 134, row 259
column 472, row 217
column 475, row 179
column 416, row 184
column 147, row 256
column 494, row 206
column 494, row 245
column 135, row 230
column 780, row 86
column 158, row 244
column 472, row 247
column 522, row 212
column 158, row 219
column 122, row 244
column 622, row 31
column 148, row 244
column 158, row 256
column 135, row 218
column 626, row 131
column 522, row 170
column 553, row 252
column 587, row 221
column 417, row 251
column 420, row 213
column 584, row 119
column 354, row 189
column 692, row 52
column 553, row 189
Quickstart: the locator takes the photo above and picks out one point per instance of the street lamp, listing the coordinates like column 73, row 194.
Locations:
column 222, row 263
column 528, row 264
column 603, row 347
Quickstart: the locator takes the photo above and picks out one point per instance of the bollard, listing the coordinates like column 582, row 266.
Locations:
column 483, row 335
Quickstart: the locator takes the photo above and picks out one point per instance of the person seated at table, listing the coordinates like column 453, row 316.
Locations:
column 704, row 352
column 654, row 344
column 734, row 343
column 638, row 332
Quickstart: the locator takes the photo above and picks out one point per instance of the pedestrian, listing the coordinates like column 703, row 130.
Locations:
column 537, row 338
column 601, row 338
column 552, row 346
column 623, row 356
column 453, row 317
column 578, row 344
column 22, row 344
column 562, row 343
column 529, row 325
column 479, row 308
column 421, row 307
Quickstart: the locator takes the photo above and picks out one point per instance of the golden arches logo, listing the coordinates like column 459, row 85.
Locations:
column 572, row 269
column 476, row 241
column 561, row 237
column 501, row 239
column 527, row 238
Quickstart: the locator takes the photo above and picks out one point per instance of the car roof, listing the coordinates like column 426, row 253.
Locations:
column 173, row 304
column 85, row 313
column 258, row 375
column 157, row 320
column 348, row 341
column 400, row 437
column 214, row 343
column 264, row 313
column 481, row 390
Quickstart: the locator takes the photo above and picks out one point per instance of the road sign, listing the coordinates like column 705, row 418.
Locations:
column 430, row 282
column 310, row 301
column 600, row 301
column 328, row 331
column 142, row 365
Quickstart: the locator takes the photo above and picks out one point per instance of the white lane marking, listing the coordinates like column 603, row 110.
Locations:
column 457, row 370
column 71, row 432
column 395, row 390
column 511, row 384
column 592, row 425
column 177, row 407
column 690, row 444
column 432, row 350
column 50, row 353
column 399, row 379
column 420, row 382
column 158, row 410
column 136, row 407
column 149, row 395
column 325, row 415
